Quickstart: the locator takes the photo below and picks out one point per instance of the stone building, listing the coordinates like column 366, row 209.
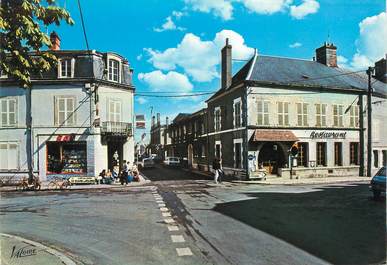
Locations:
column 82, row 116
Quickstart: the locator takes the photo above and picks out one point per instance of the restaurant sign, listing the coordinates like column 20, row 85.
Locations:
column 328, row 135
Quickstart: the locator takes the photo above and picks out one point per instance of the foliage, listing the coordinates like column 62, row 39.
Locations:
column 21, row 23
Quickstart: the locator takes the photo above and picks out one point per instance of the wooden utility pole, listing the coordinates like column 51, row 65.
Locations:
column 369, row 122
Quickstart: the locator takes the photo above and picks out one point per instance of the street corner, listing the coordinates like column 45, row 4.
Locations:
column 21, row 251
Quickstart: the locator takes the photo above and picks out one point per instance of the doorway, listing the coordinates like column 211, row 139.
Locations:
column 115, row 153
column 190, row 154
column 271, row 157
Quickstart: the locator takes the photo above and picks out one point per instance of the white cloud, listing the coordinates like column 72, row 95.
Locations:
column 266, row 6
column 306, row 8
column 371, row 44
column 220, row 8
column 198, row 57
column 172, row 81
column 141, row 100
column 295, row 45
column 168, row 25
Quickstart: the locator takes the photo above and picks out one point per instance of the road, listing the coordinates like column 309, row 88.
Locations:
column 211, row 224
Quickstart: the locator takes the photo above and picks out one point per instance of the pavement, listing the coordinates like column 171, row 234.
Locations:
column 21, row 251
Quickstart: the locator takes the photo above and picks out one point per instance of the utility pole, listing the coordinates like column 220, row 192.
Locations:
column 369, row 122
column 361, row 135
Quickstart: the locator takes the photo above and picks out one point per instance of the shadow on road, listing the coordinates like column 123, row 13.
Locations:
column 342, row 225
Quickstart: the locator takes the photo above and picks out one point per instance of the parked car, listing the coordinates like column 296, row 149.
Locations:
column 146, row 162
column 172, row 161
column 378, row 183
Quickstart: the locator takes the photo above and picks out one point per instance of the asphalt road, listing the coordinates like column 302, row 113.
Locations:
column 218, row 224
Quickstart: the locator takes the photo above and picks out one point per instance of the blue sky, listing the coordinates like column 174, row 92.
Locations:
column 174, row 45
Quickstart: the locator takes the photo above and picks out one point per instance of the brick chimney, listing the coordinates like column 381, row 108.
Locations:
column 55, row 41
column 153, row 121
column 226, row 76
column 326, row 54
column 158, row 119
column 381, row 70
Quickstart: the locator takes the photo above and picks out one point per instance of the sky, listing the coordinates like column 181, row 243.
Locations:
column 174, row 46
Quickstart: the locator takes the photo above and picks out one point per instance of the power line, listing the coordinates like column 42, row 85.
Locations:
column 83, row 25
column 174, row 96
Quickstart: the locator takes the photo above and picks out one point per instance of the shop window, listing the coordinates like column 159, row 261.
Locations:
column 354, row 153
column 302, row 157
column 338, row 115
column 283, row 113
column 237, row 113
column 66, row 157
column 321, row 153
column 321, row 115
column 218, row 152
column 238, row 154
column 263, row 112
column 354, row 116
column 65, row 111
column 9, row 156
column 8, row 109
column 376, row 158
column 338, row 154
column 217, row 119
column 114, row 70
column 302, row 114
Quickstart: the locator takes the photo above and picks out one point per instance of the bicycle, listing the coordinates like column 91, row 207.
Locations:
column 59, row 183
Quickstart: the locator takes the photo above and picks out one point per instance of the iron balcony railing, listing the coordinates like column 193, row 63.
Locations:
column 116, row 128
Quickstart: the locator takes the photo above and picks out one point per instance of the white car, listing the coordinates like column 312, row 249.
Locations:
column 146, row 163
column 172, row 161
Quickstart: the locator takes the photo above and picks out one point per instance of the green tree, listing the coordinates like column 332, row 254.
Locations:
column 21, row 23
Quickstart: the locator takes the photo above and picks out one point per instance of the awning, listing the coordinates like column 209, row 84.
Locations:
column 273, row 136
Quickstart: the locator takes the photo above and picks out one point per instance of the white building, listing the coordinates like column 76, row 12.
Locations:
column 82, row 117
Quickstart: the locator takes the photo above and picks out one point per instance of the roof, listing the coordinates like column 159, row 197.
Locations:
column 180, row 117
column 282, row 71
column 273, row 136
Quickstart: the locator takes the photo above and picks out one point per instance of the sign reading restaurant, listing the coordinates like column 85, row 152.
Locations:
column 328, row 135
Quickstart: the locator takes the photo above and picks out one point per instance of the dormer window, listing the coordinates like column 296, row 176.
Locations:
column 66, row 68
column 114, row 70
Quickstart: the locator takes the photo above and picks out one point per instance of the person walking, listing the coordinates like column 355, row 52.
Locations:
column 217, row 168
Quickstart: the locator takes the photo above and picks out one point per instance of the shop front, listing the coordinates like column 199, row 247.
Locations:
column 66, row 156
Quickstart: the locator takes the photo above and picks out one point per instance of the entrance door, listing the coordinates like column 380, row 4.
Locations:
column 190, row 154
column 271, row 157
column 115, row 153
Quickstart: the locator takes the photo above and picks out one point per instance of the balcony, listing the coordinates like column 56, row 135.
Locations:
column 113, row 128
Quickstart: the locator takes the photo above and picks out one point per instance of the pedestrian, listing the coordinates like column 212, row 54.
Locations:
column 124, row 173
column 217, row 169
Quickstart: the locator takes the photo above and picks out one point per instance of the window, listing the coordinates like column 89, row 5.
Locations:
column 218, row 151
column 302, row 157
column 321, row 154
column 321, row 115
column 354, row 153
column 66, row 68
column 8, row 109
column 263, row 112
column 354, row 116
column 115, row 110
column 376, row 158
column 238, row 153
column 203, row 150
column 283, row 113
column 217, row 119
column 338, row 116
column 114, row 70
column 237, row 113
column 338, row 154
column 302, row 114
column 65, row 111
column 384, row 157
column 9, row 158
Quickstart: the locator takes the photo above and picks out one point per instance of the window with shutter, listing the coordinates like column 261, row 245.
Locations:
column 65, row 108
column 8, row 111
column 9, row 157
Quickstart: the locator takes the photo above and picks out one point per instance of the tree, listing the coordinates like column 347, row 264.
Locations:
column 20, row 34
column 21, row 23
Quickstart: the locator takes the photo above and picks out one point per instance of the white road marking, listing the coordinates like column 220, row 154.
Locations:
column 169, row 220
column 173, row 228
column 177, row 238
column 164, row 209
column 166, row 214
column 184, row 252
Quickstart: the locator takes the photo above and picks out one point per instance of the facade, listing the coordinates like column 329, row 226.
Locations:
column 82, row 117
column 273, row 105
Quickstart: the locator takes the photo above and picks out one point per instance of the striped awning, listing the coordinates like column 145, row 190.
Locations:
column 273, row 136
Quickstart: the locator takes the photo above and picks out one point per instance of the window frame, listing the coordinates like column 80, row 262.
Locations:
column 237, row 117
column 284, row 114
column 65, row 122
column 321, row 162
column 17, row 158
column 301, row 113
column 240, row 142
column 8, row 113
column 321, row 114
column 115, row 114
column 263, row 111
column 354, row 153
column 217, row 119
column 71, row 65
column 354, row 117
column 110, row 75
column 338, row 115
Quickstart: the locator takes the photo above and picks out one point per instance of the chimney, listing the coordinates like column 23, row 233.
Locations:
column 381, row 70
column 226, row 77
column 167, row 121
column 158, row 119
column 326, row 54
column 153, row 121
column 55, row 41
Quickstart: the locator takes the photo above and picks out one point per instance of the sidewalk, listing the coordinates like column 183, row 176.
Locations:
column 294, row 181
column 17, row 250
column 143, row 181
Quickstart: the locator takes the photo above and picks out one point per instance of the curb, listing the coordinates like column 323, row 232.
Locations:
column 63, row 258
column 302, row 183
